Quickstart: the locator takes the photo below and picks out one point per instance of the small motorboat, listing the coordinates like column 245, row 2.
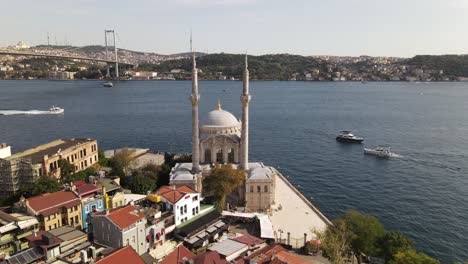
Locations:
column 380, row 151
column 108, row 84
column 56, row 110
column 347, row 136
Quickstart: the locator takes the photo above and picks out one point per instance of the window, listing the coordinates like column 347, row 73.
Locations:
column 195, row 198
column 266, row 188
column 181, row 210
column 259, row 188
column 86, row 209
column 193, row 211
column 99, row 203
column 128, row 241
column 91, row 160
column 251, row 188
column 185, row 209
column 95, row 158
column 86, row 163
column 84, row 152
column 73, row 158
column 76, row 219
column 196, row 209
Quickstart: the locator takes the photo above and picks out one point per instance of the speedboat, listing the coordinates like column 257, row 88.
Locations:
column 380, row 151
column 108, row 84
column 56, row 110
column 347, row 136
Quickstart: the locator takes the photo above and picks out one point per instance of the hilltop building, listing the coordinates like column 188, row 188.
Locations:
column 27, row 166
column 222, row 138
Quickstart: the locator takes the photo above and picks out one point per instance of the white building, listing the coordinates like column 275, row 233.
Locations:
column 5, row 151
column 182, row 201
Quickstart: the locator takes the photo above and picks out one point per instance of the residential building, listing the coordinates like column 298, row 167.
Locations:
column 14, row 227
column 209, row 257
column 54, row 210
column 27, row 166
column 123, row 255
column 92, row 200
column 61, row 75
column 111, row 190
column 182, row 201
column 120, row 227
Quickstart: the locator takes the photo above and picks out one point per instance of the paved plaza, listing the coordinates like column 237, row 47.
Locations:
column 292, row 214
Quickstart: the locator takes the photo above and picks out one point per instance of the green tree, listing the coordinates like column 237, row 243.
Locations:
column 141, row 184
column 103, row 161
column 43, row 185
column 366, row 231
column 336, row 241
column 66, row 169
column 121, row 162
column 412, row 257
column 223, row 180
column 392, row 243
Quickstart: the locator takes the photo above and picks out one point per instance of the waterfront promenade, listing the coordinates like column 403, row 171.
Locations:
column 293, row 213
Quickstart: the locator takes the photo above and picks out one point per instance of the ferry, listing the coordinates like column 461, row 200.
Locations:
column 347, row 136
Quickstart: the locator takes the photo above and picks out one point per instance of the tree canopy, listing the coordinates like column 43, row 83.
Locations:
column 392, row 243
column 223, row 180
column 412, row 257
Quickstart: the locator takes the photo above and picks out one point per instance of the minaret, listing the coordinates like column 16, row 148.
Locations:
column 195, row 98
column 245, row 99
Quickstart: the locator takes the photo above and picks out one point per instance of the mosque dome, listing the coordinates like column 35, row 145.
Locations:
column 220, row 119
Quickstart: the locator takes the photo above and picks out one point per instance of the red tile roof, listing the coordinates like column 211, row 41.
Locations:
column 87, row 189
column 249, row 240
column 280, row 254
column 124, row 255
column 174, row 195
column 178, row 256
column 49, row 203
column 209, row 257
column 123, row 217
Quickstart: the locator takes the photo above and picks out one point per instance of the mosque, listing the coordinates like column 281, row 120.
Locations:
column 223, row 139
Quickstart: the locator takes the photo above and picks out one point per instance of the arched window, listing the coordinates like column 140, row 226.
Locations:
column 266, row 188
column 231, row 155
column 259, row 189
column 208, row 155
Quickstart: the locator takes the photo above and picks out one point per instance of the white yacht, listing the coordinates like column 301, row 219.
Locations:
column 108, row 84
column 56, row 110
column 347, row 136
column 380, row 151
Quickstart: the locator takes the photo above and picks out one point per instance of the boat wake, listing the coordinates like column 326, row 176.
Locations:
column 29, row 112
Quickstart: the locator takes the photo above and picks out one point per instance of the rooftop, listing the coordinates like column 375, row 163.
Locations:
column 122, row 256
column 209, row 257
column 36, row 154
column 87, row 189
column 249, row 240
column 229, row 247
column 172, row 194
column 178, row 256
column 48, row 203
column 67, row 233
column 123, row 217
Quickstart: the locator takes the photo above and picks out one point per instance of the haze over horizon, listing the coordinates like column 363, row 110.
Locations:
column 336, row 27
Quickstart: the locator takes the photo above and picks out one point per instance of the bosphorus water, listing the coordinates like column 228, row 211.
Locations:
column 423, row 194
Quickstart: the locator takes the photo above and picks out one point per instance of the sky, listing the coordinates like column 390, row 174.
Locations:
column 401, row 28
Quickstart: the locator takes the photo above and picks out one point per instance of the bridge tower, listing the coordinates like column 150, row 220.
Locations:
column 106, row 35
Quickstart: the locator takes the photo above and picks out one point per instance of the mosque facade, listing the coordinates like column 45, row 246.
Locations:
column 220, row 138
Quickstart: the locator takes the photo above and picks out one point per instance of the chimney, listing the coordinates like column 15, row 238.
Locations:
column 84, row 256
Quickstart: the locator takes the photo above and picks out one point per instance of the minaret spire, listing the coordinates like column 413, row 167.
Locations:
column 245, row 99
column 195, row 98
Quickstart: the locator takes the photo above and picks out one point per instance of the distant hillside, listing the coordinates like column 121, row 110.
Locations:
column 452, row 65
column 265, row 67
